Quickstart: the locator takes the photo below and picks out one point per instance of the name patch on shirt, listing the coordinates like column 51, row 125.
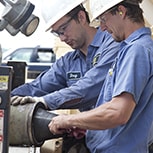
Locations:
column 73, row 75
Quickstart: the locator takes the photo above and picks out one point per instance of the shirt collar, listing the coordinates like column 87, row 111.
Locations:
column 77, row 53
column 97, row 38
column 97, row 41
column 137, row 34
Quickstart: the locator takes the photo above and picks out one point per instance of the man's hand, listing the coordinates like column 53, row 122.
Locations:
column 76, row 132
column 60, row 125
column 16, row 100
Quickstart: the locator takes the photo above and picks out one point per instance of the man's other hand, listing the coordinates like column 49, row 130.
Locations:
column 19, row 100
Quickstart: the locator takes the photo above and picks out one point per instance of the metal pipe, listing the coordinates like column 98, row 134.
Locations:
column 29, row 125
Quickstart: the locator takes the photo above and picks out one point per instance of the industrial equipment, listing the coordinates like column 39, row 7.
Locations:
column 17, row 16
column 5, row 88
column 29, row 127
column 29, row 124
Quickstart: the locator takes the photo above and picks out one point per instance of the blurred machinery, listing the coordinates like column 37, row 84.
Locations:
column 17, row 16
column 5, row 88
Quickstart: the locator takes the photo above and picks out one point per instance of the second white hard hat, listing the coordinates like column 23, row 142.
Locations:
column 53, row 10
column 97, row 7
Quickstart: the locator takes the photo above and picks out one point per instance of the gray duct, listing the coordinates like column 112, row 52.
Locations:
column 29, row 125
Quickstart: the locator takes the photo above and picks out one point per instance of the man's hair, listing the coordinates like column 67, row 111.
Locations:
column 134, row 2
column 134, row 12
column 74, row 13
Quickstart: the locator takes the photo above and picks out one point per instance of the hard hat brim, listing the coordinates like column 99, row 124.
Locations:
column 98, row 7
column 62, row 13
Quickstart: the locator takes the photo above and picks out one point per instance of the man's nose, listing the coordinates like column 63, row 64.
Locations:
column 103, row 26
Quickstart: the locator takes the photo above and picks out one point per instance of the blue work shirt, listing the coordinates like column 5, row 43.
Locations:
column 74, row 80
column 131, row 72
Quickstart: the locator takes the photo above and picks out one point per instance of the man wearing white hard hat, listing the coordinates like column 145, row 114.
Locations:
column 74, row 80
column 122, row 119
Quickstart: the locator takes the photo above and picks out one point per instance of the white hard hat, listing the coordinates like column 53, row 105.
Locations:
column 97, row 7
column 53, row 10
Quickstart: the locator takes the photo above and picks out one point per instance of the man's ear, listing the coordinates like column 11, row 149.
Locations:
column 122, row 10
column 81, row 16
